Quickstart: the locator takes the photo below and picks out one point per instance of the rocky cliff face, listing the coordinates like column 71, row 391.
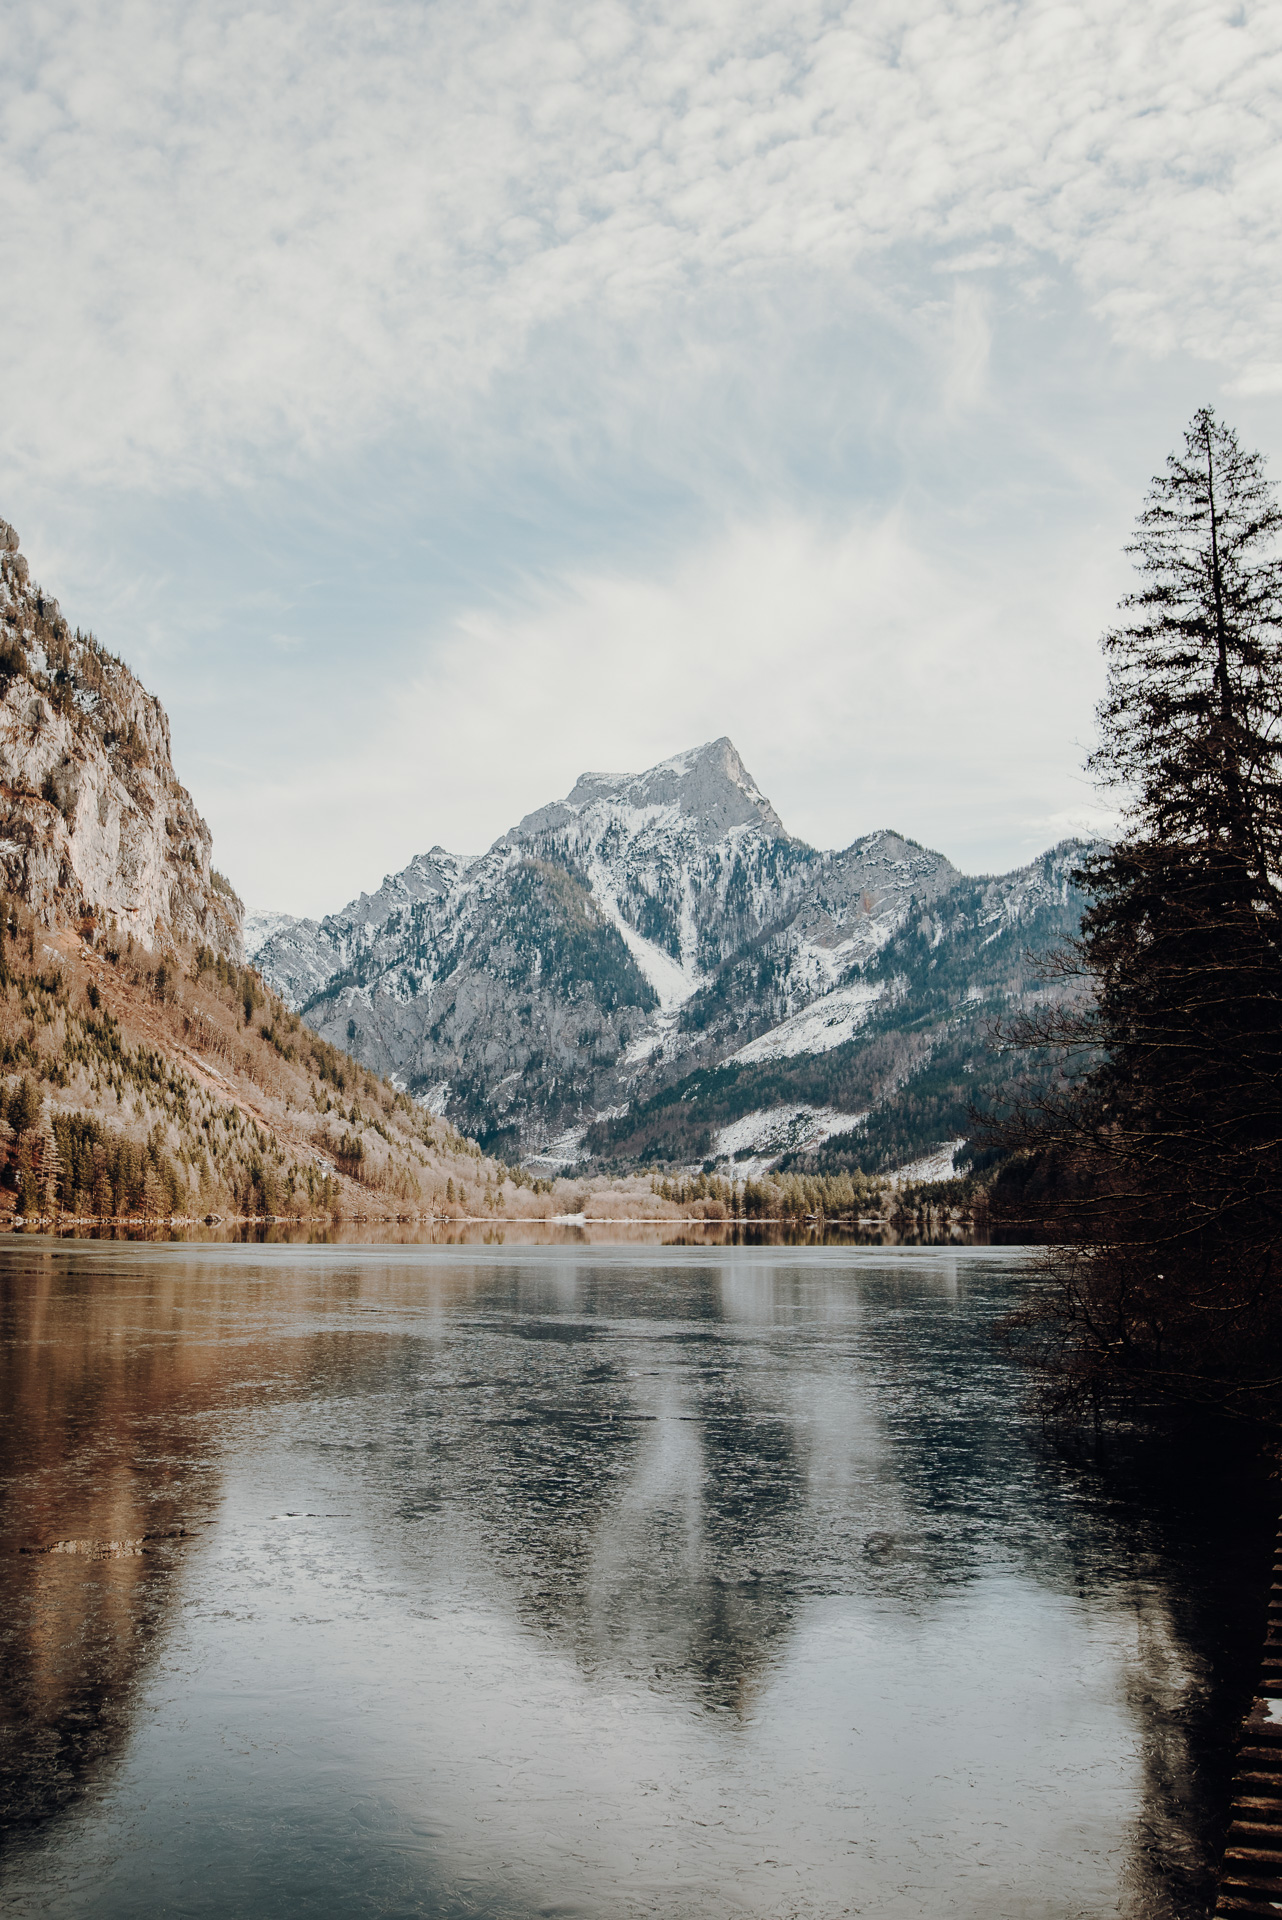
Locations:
column 93, row 820
column 653, row 968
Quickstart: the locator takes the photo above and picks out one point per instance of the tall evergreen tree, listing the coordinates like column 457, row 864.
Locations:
column 1170, row 1204
column 50, row 1165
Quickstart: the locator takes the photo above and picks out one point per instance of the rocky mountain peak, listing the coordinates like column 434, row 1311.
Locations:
column 707, row 789
column 428, row 877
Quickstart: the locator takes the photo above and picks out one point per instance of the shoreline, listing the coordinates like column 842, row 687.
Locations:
column 23, row 1221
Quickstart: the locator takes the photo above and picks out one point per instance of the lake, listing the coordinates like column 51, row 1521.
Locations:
column 589, row 1580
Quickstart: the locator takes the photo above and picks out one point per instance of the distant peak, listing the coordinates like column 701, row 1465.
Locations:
column 721, row 754
column 708, row 785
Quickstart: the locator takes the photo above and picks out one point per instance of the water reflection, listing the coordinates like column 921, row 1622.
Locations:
column 96, row 1477
column 515, row 1233
column 730, row 1581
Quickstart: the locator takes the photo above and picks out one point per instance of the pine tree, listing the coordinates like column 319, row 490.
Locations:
column 103, row 1201
column 1190, row 722
column 1171, row 1209
column 151, row 1193
column 24, row 1105
column 50, row 1175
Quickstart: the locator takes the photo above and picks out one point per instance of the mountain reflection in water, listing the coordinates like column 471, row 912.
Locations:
column 716, row 1581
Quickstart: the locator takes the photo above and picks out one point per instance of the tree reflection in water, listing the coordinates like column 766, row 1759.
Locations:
column 791, row 1494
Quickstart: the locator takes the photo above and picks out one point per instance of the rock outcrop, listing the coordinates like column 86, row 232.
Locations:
column 94, row 823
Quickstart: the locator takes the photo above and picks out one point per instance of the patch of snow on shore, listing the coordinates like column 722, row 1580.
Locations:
column 826, row 1023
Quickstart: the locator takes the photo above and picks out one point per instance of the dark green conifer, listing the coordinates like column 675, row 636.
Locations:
column 1170, row 1147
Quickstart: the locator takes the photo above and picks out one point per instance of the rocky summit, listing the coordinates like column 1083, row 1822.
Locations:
column 94, row 823
column 654, row 971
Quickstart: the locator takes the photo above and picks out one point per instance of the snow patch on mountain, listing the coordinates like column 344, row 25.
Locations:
column 264, row 926
column 564, row 1151
column 772, row 1131
column 661, row 1032
column 826, row 1023
column 674, row 981
column 939, row 1165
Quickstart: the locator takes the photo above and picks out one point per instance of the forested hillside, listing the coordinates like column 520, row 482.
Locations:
column 145, row 1070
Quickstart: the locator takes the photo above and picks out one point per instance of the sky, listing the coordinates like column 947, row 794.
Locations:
column 434, row 401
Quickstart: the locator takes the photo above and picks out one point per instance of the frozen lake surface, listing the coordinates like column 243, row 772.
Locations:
column 604, row 1582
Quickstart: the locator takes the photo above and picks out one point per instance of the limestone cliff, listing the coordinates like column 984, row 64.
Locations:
column 93, row 820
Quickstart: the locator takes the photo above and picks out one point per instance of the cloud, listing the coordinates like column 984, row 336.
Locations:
column 967, row 364
column 868, row 682
column 242, row 234
column 433, row 401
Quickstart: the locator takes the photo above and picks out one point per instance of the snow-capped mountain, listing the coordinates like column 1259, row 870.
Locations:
column 629, row 966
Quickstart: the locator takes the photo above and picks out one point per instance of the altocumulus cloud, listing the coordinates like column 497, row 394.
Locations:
column 612, row 267
column 280, row 228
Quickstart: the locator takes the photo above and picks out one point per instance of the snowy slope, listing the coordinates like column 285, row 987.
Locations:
column 643, row 928
column 826, row 1023
column 755, row 1141
column 260, row 927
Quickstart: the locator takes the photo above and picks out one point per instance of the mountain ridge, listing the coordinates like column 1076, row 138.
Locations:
column 646, row 927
